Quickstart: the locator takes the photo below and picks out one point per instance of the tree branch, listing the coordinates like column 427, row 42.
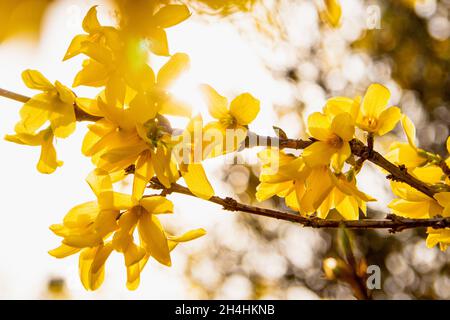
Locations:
column 392, row 222
column 397, row 173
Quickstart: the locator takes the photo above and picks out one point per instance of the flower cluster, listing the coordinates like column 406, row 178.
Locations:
column 131, row 134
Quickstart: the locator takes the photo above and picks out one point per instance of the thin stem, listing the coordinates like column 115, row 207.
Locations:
column 398, row 173
column 392, row 222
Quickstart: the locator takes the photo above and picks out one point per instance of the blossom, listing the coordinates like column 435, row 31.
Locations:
column 230, row 128
column 48, row 161
column 413, row 203
column 97, row 228
column 55, row 104
column 407, row 154
column 374, row 116
column 333, row 140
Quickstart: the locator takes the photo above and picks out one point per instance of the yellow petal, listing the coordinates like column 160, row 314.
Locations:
column 388, row 120
column 100, row 258
column 343, row 126
column 35, row 113
column 89, row 106
column 375, row 100
column 160, row 160
column 319, row 126
column 75, row 46
column 133, row 276
column 158, row 42
column 93, row 74
column 188, row 236
column 142, row 174
column 266, row 190
column 63, row 120
column 171, row 15
column 90, row 22
column 338, row 159
column 63, row 251
column 410, row 130
column 156, row 204
column 154, row 238
column 337, row 105
column 318, row 154
column 48, row 162
column 172, row 70
column 410, row 209
column 197, row 181
column 244, row 108
column 175, row 107
column 217, row 104
column 33, row 79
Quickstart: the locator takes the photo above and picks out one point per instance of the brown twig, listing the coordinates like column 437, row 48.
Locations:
column 358, row 148
column 392, row 222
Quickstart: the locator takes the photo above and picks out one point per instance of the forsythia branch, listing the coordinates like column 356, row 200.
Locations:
column 398, row 173
column 392, row 222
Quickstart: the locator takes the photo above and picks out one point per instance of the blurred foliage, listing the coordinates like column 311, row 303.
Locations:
column 410, row 52
column 417, row 49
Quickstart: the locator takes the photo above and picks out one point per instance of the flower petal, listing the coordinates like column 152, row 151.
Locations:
column 244, row 108
column 388, row 120
column 375, row 100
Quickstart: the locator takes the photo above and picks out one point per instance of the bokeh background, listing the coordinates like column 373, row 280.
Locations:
column 282, row 53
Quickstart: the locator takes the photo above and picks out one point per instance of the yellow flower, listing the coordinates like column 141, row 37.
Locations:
column 47, row 160
column 333, row 140
column 332, row 12
column 229, row 131
column 188, row 153
column 282, row 175
column 55, row 104
column 407, row 154
column 412, row 203
column 374, row 116
column 345, row 198
column 438, row 236
column 99, row 227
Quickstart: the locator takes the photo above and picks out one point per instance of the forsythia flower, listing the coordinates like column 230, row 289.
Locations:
column 229, row 131
column 413, row 203
column 308, row 190
column 407, row 154
column 374, row 116
column 47, row 160
column 333, row 137
column 55, row 105
column 283, row 175
column 97, row 228
column 345, row 198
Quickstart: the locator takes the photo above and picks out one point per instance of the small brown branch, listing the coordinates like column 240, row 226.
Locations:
column 392, row 222
column 358, row 148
